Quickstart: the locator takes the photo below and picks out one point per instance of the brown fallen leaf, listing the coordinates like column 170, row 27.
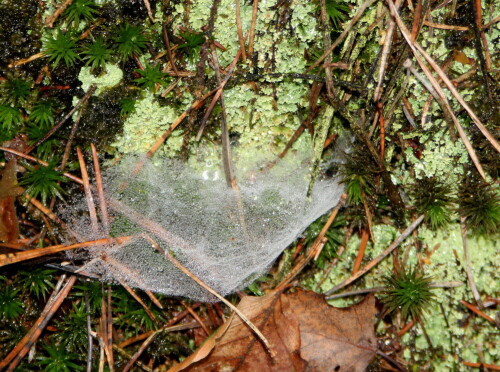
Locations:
column 306, row 333
column 9, row 229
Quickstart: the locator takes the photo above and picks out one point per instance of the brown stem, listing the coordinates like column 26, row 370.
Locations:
column 241, row 40
column 255, row 8
column 167, row 47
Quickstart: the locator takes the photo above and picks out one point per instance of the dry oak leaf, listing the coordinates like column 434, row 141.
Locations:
column 9, row 228
column 305, row 332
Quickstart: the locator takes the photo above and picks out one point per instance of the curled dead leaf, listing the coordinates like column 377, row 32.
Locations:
column 306, row 333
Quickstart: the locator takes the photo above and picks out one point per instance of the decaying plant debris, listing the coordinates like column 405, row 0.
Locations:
column 398, row 100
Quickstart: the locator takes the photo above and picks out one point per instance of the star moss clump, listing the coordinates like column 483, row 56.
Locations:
column 409, row 292
column 479, row 205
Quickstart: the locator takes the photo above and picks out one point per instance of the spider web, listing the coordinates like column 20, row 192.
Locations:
column 227, row 238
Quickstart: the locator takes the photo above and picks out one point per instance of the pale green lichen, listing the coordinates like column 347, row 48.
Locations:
column 442, row 157
column 110, row 78
column 263, row 120
column 146, row 125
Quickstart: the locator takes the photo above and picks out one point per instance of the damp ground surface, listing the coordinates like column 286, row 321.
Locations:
column 255, row 117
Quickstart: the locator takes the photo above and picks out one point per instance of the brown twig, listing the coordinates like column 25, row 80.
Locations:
column 100, row 190
column 438, row 93
column 491, row 23
column 109, row 325
column 361, row 251
column 88, row 193
column 169, row 326
column 381, row 289
column 10, row 258
column 241, row 40
column 475, row 310
column 482, row 366
column 23, row 61
column 153, row 298
column 330, row 267
column 326, row 45
column 167, row 47
column 69, row 142
column 384, row 57
column 139, row 352
column 139, row 300
column 39, row 161
column 478, row 29
column 218, row 93
column 85, row 34
column 150, row 13
column 226, row 146
column 417, row 17
column 406, row 328
column 197, row 318
column 445, row 27
column 380, row 257
column 89, row 332
column 49, row 21
column 255, row 8
column 104, row 337
column 149, row 339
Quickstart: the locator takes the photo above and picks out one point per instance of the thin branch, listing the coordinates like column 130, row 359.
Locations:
column 23, row 61
column 446, row 27
column 385, row 54
column 49, row 21
column 218, row 93
column 315, row 247
column 361, row 251
column 88, row 193
column 39, row 161
column 475, row 310
column 11, row 258
column 89, row 333
column 150, row 13
column 381, row 289
column 197, row 318
column 167, row 47
column 241, row 40
column 139, row 352
column 100, row 190
column 226, row 146
column 255, row 8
